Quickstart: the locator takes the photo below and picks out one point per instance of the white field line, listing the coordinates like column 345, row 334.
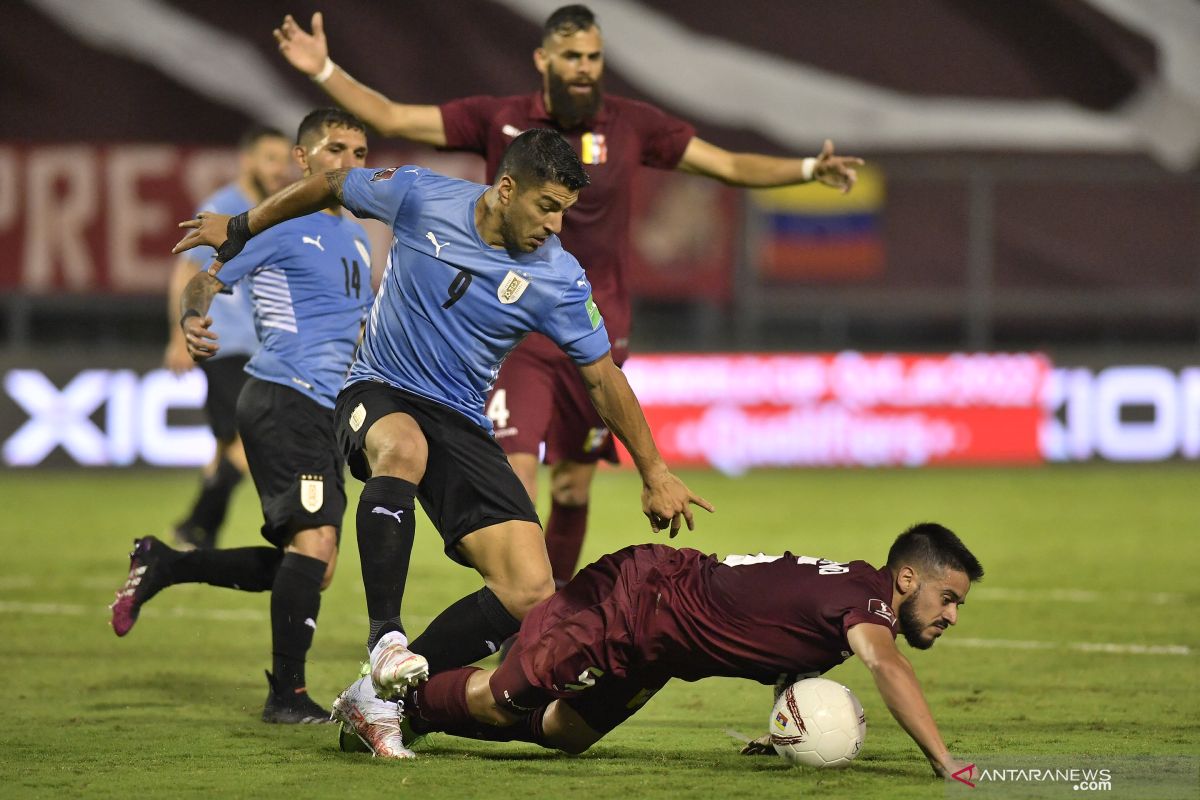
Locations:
column 252, row 615
column 1079, row 647
column 1074, row 596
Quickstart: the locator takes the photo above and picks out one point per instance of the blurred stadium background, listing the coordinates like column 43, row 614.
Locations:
column 1032, row 189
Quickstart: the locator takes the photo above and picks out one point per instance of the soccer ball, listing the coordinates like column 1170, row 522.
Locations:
column 818, row 723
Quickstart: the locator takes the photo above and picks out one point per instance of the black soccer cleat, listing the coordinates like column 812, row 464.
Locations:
column 292, row 707
column 146, row 577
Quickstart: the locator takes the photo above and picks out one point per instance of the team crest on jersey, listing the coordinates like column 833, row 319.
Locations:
column 384, row 174
column 594, row 150
column 511, row 288
column 882, row 609
column 595, row 439
column 312, row 492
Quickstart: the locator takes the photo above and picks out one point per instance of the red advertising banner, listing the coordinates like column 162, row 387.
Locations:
column 737, row 412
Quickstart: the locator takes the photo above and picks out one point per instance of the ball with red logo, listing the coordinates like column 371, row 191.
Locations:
column 818, row 723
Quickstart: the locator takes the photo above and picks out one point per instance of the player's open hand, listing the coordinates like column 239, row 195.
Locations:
column 667, row 502
column 835, row 171
column 304, row 51
column 201, row 341
column 207, row 229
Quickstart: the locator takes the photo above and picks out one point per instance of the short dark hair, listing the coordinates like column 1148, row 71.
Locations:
column 540, row 155
column 568, row 20
column 255, row 134
column 318, row 119
column 928, row 545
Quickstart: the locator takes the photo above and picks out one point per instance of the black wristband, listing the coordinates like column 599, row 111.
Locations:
column 190, row 312
column 237, row 233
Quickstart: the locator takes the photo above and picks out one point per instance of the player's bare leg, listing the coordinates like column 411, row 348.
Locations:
column 570, row 490
column 511, row 557
column 526, row 467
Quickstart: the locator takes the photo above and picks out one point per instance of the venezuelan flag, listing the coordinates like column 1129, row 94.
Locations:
column 812, row 232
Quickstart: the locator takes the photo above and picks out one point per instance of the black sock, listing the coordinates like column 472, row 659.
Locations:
column 467, row 631
column 386, row 529
column 295, row 603
column 208, row 512
column 249, row 569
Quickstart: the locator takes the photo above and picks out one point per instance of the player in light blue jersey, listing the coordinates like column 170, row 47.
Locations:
column 263, row 166
column 310, row 281
column 472, row 270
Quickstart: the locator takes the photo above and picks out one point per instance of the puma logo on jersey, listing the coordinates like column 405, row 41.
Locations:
column 437, row 252
column 511, row 130
column 314, row 242
column 413, row 171
column 393, row 514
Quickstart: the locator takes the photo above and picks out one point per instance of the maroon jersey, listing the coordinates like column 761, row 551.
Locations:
column 755, row 617
column 624, row 135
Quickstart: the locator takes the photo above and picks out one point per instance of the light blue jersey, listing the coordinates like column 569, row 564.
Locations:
column 232, row 312
column 310, row 282
column 451, row 308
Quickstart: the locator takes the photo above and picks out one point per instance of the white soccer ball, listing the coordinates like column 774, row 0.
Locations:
column 818, row 723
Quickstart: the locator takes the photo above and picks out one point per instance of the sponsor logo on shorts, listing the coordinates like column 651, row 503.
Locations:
column 357, row 417
column 312, row 492
column 595, row 439
column 511, row 288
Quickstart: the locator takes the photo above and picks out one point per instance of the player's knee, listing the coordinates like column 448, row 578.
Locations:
column 520, row 599
column 573, row 748
column 570, row 485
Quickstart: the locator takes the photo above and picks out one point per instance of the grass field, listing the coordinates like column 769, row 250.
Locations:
column 1089, row 571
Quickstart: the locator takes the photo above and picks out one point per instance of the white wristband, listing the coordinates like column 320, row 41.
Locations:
column 325, row 72
column 807, row 167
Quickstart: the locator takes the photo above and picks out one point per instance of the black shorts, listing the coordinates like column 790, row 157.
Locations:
column 468, row 482
column 293, row 458
column 226, row 377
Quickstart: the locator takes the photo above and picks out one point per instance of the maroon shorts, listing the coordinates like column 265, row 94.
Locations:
column 540, row 397
column 578, row 645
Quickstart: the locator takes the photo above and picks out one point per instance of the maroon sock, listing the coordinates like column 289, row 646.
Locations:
column 440, row 704
column 564, row 539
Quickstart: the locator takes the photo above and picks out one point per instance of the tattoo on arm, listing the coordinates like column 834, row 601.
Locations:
column 198, row 294
column 335, row 179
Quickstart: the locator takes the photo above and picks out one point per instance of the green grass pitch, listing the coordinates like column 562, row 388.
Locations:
column 1075, row 556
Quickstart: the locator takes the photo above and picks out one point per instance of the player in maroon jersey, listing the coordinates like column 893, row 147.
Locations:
column 591, row 655
column 538, row 397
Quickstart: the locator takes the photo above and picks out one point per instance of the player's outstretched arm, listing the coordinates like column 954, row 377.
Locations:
column 229, row 234
column 759, row 171
column 309, row 53
column 898, row 685
column 194, row 321
column 665, row 498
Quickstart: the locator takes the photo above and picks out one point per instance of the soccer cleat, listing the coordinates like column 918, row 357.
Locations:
column 394, row 667
column 146, row 578
column 292, row 708
column 375, row 722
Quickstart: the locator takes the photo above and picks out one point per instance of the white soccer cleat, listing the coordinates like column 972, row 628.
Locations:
column 394, row 667
column 375, row 722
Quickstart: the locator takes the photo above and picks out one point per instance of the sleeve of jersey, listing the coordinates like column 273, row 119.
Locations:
column 465, row 122
column 258, row 251
column 575, row 324
column 664, row 137
column 864, row 608
column 378, row 193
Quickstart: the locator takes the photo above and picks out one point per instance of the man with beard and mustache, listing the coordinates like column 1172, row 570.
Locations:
column 590, row 657
column 264, row 160
column 539, row 399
